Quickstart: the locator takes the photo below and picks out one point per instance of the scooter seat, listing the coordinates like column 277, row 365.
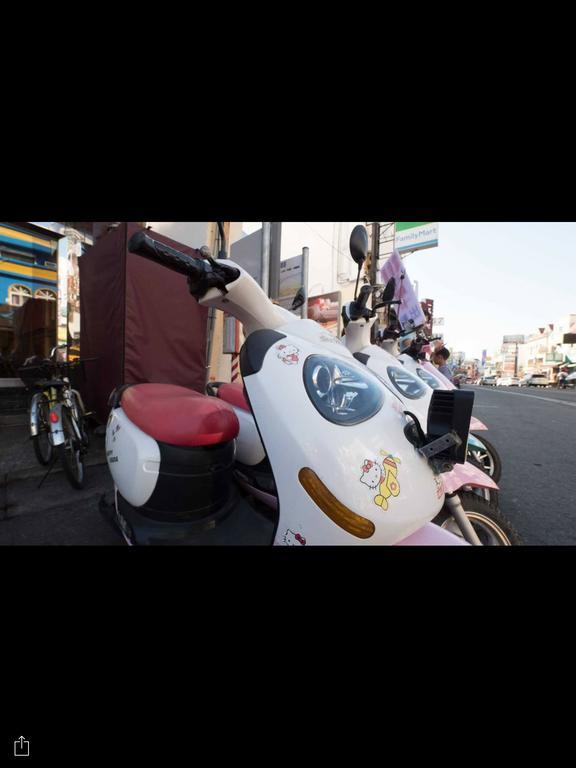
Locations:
column 179, row 416
column 234, row 395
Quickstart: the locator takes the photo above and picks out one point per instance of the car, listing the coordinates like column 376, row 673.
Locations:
column 508, row 381
column 489, row 381
column 535, row 380
column 571, row 380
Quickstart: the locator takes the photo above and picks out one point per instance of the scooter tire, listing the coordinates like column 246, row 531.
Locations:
column 492, row 527
column 495, row 457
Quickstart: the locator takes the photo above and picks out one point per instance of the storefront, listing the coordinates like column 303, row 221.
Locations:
column 39, row 290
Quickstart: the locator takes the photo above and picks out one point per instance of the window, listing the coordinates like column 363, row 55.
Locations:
column 18, row 295
column 45, row 293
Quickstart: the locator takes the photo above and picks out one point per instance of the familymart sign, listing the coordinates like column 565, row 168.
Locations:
column 415, row 235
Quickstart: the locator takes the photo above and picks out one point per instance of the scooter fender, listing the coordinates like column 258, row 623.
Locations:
column 466, row 474
column 473, row 442
column 56, row 431
column 369, row 469
column 34, row 404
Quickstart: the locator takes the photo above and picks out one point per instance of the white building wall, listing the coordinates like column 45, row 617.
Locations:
column 330, row 267
column 194, row 234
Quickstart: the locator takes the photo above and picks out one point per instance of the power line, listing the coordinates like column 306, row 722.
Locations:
column 327, row 241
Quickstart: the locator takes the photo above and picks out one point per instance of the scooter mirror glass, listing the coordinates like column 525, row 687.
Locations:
column 299, row 299
column 389, row 291
column 359, row 244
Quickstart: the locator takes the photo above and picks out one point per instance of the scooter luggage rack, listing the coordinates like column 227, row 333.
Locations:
column 443, row 443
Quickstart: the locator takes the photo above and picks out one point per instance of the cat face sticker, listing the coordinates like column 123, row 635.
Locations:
column 288, row 353
column 292, row 539
column 381, row 475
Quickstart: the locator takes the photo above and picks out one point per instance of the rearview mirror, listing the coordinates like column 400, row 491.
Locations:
column 359, row 244
column 389, row 291
column 299, row 299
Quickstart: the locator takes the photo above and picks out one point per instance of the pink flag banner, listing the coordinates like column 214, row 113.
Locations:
column 410, row 312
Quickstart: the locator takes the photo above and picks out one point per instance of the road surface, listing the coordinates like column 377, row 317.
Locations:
column 534, row 431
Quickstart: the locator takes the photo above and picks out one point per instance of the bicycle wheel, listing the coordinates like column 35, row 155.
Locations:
column 42, row 444
column 70, row 452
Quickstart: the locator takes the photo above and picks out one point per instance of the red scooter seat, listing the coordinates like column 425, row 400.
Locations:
column 234, row 395
column 179, row 416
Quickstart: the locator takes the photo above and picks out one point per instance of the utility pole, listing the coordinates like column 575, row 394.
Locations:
column 375, row 251
column 274, row 262
column 265, row 264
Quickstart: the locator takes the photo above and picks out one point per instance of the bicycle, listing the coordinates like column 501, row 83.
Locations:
column 57, row 415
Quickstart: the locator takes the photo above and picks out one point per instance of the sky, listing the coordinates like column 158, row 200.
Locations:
column 490, row 279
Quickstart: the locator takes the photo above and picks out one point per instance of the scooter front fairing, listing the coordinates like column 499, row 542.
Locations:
column 338, row 483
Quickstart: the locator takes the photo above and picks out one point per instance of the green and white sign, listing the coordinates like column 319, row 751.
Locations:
column 415, row 235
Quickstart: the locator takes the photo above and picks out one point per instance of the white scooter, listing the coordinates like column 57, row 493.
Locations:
column 347, row 464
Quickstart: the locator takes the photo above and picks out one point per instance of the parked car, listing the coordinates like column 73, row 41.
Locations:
column 489, row 381
column 571, row 380
column 508, row 381
column 535, row 380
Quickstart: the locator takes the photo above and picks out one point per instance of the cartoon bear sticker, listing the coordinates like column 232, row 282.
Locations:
column 288, row 353
column 382, row 476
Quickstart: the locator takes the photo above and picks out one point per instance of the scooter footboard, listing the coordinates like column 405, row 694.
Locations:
column 432, row 535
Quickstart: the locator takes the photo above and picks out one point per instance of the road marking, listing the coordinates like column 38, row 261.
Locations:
column 536, row 397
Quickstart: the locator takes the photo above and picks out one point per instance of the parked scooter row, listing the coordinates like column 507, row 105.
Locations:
column 349, row 466
column 467, row 487
column 316, row 434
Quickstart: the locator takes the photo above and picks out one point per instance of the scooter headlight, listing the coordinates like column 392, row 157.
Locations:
column 429, row 378
column 406, row 383
column 342, row 393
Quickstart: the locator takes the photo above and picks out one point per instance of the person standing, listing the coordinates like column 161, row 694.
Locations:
column 440, row 359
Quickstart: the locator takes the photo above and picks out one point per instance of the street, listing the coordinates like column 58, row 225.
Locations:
column 534, row 431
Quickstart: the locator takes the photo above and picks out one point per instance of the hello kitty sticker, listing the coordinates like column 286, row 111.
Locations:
column 292, row 539
column 382, row 475
column 288, row 353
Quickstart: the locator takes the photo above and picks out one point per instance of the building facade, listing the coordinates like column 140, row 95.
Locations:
column 39, row 290
column 546, row 352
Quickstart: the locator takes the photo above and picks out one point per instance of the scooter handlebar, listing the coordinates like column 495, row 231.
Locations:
column 143, row 245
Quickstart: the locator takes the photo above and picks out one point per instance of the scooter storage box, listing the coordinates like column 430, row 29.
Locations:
column 171, row 452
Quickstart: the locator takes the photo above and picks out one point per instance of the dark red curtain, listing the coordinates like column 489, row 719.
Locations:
column 138, row 319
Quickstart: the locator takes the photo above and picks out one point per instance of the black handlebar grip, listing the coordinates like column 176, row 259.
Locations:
column 143, row 245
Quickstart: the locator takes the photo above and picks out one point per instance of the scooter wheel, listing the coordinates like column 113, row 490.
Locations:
column 489, row 458
column 491, row 527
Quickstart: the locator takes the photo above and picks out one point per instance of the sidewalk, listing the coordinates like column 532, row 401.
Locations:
column 55, row 513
